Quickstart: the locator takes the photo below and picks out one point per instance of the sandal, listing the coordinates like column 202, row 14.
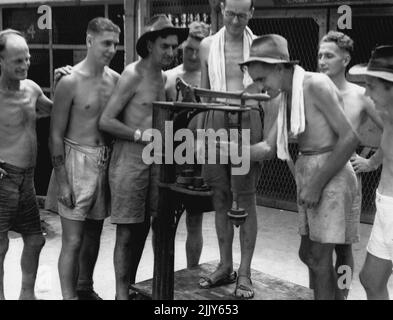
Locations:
column 226, row 278
column 243, row 288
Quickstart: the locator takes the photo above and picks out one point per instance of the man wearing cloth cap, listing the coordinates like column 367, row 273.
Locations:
column 326, row 182
column 133, row 183
column 379, row 86
column 220, row 55
column 190, row 72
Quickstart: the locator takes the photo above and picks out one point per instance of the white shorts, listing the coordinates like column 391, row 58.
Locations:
column 381, row 239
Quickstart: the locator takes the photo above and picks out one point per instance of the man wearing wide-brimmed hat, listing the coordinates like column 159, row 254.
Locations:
column 377, row 268
column 133, row 183
column 311, row 111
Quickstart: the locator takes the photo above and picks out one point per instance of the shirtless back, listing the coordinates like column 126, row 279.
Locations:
column 319, row 133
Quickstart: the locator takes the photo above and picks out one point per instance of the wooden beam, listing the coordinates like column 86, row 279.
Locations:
column 130, row 32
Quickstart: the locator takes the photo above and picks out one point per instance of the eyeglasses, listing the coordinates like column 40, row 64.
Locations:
column 240, row 16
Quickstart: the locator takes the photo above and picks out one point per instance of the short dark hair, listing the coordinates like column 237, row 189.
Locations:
column 100, row 24
column 251, row 6
column 4, row 36
column 342, row 41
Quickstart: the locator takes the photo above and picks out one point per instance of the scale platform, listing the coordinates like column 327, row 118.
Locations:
column 266, row 287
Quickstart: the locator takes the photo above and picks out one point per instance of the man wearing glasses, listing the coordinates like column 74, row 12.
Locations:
column 220, row 57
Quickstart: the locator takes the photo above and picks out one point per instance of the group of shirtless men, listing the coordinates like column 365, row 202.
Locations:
column 99, row 122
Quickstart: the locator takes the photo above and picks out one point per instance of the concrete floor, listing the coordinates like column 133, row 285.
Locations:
column 275, row 254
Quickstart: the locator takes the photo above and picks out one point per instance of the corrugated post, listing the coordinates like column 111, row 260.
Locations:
column 130, row 32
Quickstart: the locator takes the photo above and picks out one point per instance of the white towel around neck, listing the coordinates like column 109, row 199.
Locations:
column 298, row 121
column 216, row 60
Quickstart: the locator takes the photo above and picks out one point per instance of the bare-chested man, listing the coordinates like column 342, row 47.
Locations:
column 377, row 268
column 190, row 72
column 326, row 182
column 21, row 102
column 133, row 183
column 80, row 156
column 220, row 56
column 334, row 55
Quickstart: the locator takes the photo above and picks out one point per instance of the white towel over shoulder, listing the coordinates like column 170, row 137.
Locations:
column 298, row 120
column 216, row 60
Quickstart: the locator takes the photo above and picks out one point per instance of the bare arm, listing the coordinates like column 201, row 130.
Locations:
column 369, row 107
column 60, row 115
column 43, row 104
column 328, row 101
column 205, row 83
column 204, row 50
column 170, row 86
column 122, row 94
column 291, row 166
column 265, row 149
column 361, row 164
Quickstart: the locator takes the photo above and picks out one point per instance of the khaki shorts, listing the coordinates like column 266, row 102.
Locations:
column 133, row 184
column 87, row 173
column 336, row 219
column 380, row 243
column 218, row 176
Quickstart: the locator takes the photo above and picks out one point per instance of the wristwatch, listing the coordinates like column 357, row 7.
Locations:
column 137, row 135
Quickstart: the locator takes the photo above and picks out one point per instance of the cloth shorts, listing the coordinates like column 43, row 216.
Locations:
column 218, row 176
column 18, row 204
column 336, row 219
column 380, row 243
column 133, row 184
column 87, row 173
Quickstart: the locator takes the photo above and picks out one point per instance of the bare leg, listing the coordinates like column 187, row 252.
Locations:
column 4, row 244
column 32, row 245
column 374, row 277
column 319, row 259
column 344, row 258
column 222, row 201
column 130, row 242
column 139, row 236
column 68, row 265
column 248, row 236
column 89, row 253
column 122, row 260
column 323, row 270
column 303, row 254
column 194, row 242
